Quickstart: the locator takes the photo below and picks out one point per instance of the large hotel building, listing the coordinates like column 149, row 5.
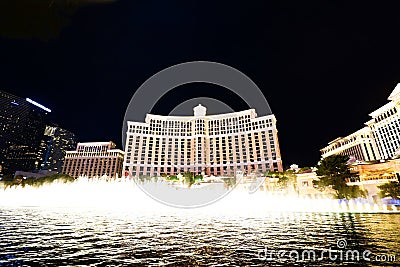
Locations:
column 94, row 159
column 359, row 145
column 380, row 139
column 211, row 144
column 22, row 124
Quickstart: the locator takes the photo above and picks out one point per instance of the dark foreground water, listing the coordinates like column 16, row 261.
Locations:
column 59, row 237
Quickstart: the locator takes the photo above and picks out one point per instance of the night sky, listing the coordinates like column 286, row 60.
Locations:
column 322, row 67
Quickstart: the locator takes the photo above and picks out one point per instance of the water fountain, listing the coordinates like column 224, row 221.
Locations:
column 125, row 194
column 100, row 221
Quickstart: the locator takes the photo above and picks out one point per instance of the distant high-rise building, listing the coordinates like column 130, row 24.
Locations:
column 56, row 141
column 213, row 144
column 380, row 140
column 22, row 124
column 94, row 159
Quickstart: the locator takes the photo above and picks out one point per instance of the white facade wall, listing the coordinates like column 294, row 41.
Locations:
column 360, row 145
column 385, row 126
column 382, row 134
column 214, row 144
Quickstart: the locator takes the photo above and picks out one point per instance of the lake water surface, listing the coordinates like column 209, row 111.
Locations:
column 37, row 236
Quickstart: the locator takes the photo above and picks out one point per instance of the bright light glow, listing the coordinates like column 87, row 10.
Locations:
column 126, row 198
column 38, row 105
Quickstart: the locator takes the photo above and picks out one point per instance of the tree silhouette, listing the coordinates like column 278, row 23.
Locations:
column 391, row 189
column 333, row 172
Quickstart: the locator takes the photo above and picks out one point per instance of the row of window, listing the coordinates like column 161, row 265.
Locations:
column 217, row 170
column 386, row 114
column 94, row 154
column 154, row 150
column 198, row 126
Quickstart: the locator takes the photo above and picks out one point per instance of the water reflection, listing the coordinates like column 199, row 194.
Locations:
column 59, row 236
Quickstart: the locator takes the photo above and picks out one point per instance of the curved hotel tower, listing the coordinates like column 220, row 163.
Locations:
column 379, row 139
column 211, row 144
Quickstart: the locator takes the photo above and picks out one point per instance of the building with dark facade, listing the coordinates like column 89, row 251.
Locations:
column 56, row 141
column 22, row 124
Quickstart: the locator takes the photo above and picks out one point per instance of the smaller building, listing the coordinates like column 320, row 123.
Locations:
column 94, row 159
column 373, row 174
column 305, row 185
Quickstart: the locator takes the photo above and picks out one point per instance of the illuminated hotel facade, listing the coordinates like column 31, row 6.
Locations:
column 211, row 144
column 94, row 159
column 359, row 145
column 379, row 140
column 385, row 125
column 22, row 124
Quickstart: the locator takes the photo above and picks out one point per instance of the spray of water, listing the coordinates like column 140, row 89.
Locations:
column 125, row 196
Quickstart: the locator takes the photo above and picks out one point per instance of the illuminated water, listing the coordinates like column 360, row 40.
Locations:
column 117, row 225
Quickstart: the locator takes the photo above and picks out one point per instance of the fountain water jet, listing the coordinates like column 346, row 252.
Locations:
column 124, row 195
